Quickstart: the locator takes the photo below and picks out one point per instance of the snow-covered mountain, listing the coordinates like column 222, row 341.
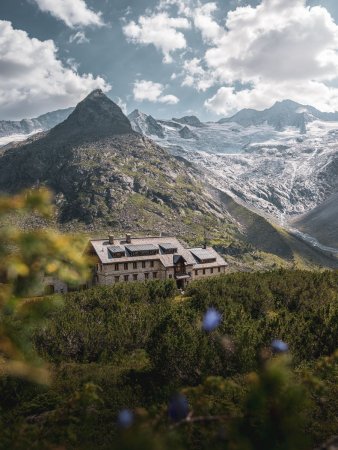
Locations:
column 265, row 159
column 144, row 124
column 186, row 133
column 192, row 121
column 41, row 123
column 281, row 115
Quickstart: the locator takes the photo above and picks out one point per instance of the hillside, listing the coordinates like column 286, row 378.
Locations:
column 105, row 176
column 321, row 222
column 134, row 345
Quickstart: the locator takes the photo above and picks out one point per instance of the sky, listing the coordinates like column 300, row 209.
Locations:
column 168, row 58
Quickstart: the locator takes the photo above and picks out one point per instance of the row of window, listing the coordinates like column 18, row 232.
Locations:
column 203, row 271
column 135, row 265
column 134, row 277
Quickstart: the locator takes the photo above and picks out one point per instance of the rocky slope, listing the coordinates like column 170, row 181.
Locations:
column 144, row 124
column 321, row 223
column 107, row 176
column 186, row 133
column 266, row 163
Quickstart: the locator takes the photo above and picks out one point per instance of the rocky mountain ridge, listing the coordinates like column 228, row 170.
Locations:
column 147, row 125
column 192, row 121
column 41, row 123
column 107, row 176
column 281, row 115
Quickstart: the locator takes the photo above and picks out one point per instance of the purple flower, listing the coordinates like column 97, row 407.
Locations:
column 279, row 346
column 125, row 418
column 178, row 408
column 212, row 318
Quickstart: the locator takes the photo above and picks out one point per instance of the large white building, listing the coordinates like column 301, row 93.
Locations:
column 152, row 258
column 145, row 258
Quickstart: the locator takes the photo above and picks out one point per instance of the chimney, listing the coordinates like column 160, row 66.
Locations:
column 128, row 238
column 111, row 239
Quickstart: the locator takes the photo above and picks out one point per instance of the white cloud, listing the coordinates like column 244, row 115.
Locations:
column 79, row 38
column 159, row 30
column 152, row 92
column 121, row 104
column 184, row 7
column 204, row 22
column 277, row 49
column 227, row 100
column 33, row 80
column 196, row 76
column 281, row 49
column 169, row 99
column 74, row 13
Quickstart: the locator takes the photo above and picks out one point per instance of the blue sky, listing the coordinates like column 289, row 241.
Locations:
column 167, row 57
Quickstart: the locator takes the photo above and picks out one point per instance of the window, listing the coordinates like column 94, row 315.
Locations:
column 135, row 277
column 49, row 289
column 211, row 270
column 196, row 272
column 117, row 279
column 143, row 264
column 189, row 273
column 146, row 276
column 116, row 267
column 151, row 263
column 135, row 265
column 203, row 271
column 142, row 250
column 170, row 275
column 126, row 277
column 154, row 274
column 219, row 269
column 125, row 266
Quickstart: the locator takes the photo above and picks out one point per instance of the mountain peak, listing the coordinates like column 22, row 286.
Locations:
column 144, row 124
column 287, row 104
column 135, row 114
column 96, row 93
column 193, row 121
column 94, row 117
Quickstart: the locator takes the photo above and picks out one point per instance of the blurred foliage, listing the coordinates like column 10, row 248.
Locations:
column 25, row 258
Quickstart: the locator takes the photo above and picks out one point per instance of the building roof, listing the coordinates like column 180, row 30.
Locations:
column 203, row 254
column 102, row 246
column 142, row 248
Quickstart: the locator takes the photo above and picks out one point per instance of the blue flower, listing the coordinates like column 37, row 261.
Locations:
column 279, row 346
column 212, row 318
column 125, row 418
column 178, row 408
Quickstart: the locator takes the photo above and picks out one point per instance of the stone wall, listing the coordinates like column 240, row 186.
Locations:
column 107, row 274
column 53, row 285
column 209, row 272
